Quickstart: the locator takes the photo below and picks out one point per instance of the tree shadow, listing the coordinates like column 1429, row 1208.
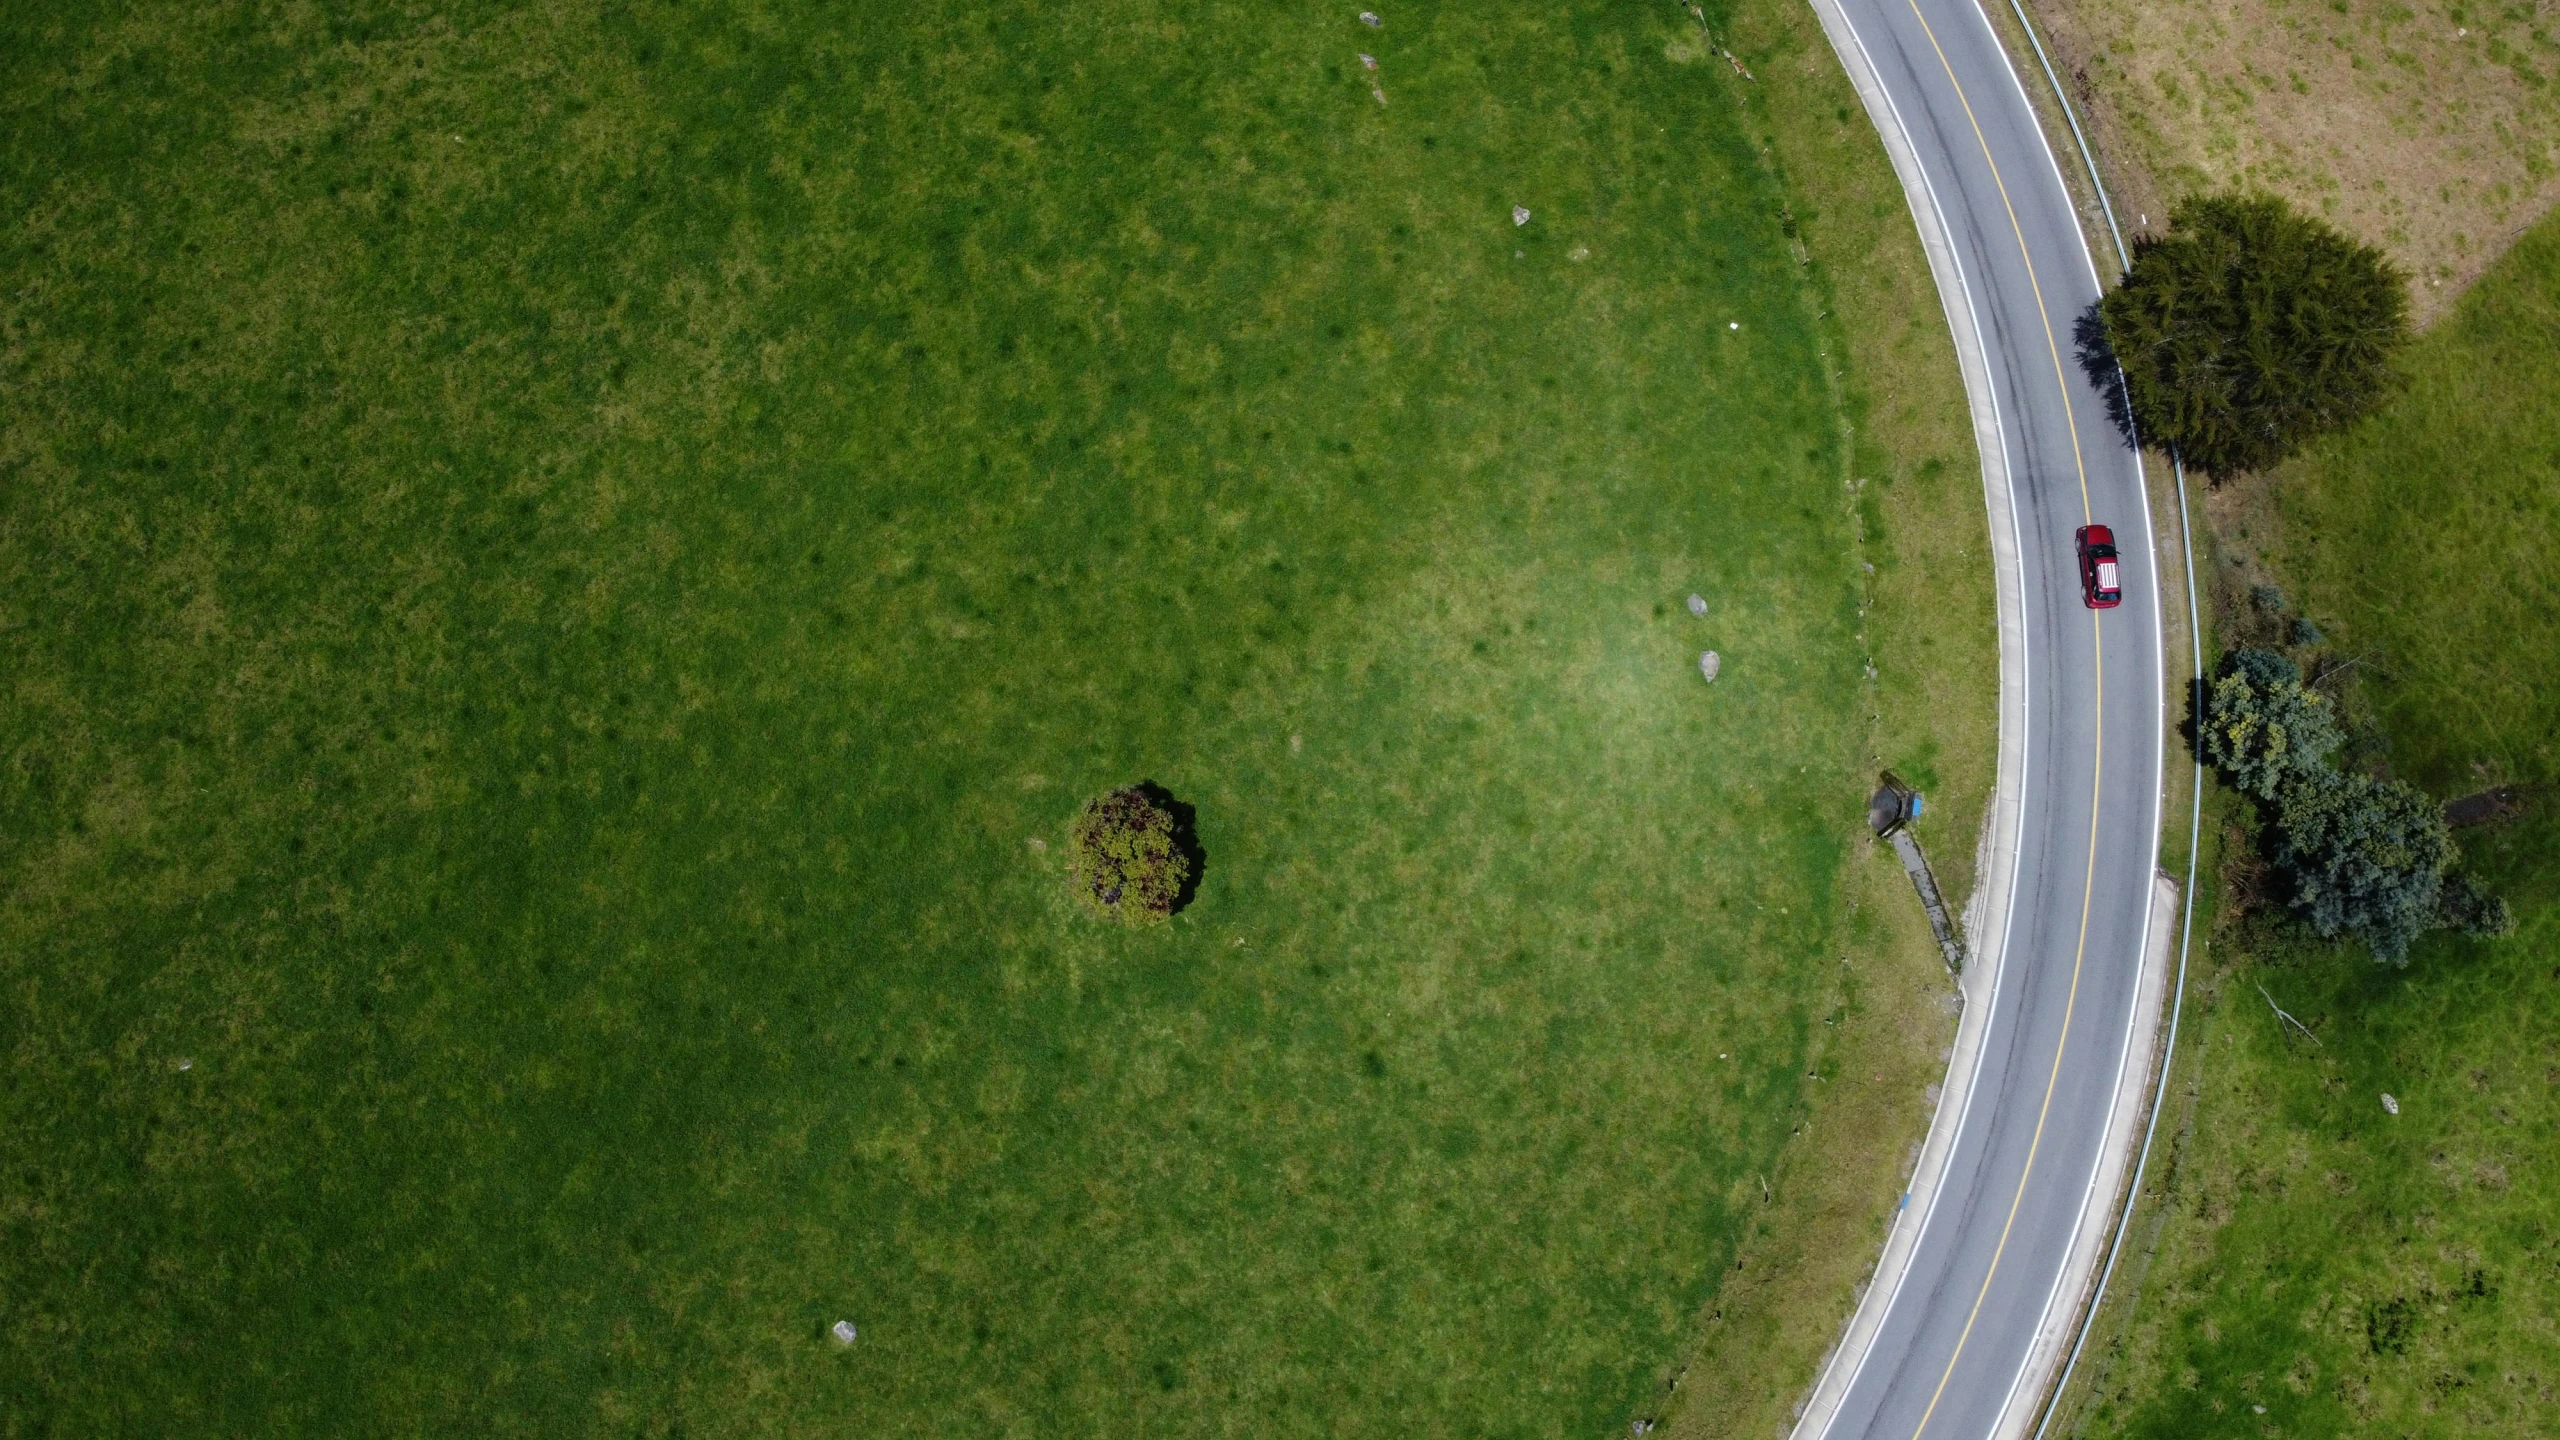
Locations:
column 2098, row 362
column 2191, row 729
column 1186, row 841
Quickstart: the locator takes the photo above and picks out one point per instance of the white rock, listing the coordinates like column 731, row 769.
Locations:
column 2389, row 1104
column 1709, row 664
column 1369, row 62
column 1370, row 19
column 843, row 1331
column 1519, row 214
column 1698, row 606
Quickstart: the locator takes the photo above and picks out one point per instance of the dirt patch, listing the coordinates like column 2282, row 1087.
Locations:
column 2432, row 131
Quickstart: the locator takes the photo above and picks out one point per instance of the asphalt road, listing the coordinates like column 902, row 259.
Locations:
column 1949, row 1358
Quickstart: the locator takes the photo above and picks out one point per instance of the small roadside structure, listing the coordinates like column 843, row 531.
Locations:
column 1890, row 812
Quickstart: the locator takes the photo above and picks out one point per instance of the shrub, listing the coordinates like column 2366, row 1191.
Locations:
column 2251, row 328
column 1127, row 855
column 2464, row 906
column 2366, row 858
column 2262, row 727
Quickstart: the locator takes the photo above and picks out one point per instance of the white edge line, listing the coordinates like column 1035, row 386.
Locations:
column 2195, row 812
column 2159, row 656
column 2026, row 720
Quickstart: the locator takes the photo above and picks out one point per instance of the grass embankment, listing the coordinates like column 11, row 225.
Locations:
column 567, row 574
column 1816, row 1237
column 2324, row 1267
column 2430, row 130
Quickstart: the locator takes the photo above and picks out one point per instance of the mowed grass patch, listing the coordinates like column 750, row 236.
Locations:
column 2326, row 1267
column 567, row 572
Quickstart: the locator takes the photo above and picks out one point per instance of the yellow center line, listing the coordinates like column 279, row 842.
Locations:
column 2088, row 882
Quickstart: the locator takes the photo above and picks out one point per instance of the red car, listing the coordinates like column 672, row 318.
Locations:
column 2098, row 583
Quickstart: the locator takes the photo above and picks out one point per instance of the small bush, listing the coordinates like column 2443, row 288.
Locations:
column 2250, row 329
column 1127, row 856
column 2306, row 633
column 2465, row 907
column 2261, row 727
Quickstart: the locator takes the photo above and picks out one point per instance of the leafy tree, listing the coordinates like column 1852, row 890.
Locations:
column 2250, row 328
column 2367, row 858
column 1128, row 856
column 2261, row 726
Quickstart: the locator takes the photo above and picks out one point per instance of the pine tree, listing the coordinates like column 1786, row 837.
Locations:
column 2251, row 328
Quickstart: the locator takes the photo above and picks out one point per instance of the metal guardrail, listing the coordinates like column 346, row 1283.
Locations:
column 2195, row 815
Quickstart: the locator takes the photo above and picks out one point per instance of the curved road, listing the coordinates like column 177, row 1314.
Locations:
column 1958, row 1337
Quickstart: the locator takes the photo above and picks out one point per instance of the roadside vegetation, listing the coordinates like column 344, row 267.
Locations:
column 2251, row 329
column 1817, row 1229
column 2354, row 1233
column 2357, row 856
column 2429, row 130
column 570, row 574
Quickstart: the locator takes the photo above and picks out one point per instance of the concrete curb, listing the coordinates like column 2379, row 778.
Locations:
column 1987, row 914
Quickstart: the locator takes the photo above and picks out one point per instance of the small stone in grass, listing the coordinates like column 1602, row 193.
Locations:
column 2390, row 1105
column 1709, row 664
column 1370, row 19
column 1381, row 94
column 1519, row 214
column 1698, row 606
column 1368, row 62
column 843, row 1331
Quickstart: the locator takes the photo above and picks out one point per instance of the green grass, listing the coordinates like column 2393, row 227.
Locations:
column 562, row 569
column 2354, row 1272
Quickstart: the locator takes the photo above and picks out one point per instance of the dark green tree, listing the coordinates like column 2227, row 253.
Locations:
column 2262, row 727
column 2366, row 858
column 2250, row 328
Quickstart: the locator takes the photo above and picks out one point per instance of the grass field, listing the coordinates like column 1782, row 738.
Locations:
column 566, row 571
column 2326, row 1268
column 2431, row 130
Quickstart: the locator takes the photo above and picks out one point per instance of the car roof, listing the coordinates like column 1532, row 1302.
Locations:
column 2101, row 535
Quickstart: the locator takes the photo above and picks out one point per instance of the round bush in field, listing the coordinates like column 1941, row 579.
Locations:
column 1128, row 855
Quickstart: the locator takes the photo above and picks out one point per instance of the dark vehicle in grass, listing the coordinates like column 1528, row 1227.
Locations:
column 2099, row 585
